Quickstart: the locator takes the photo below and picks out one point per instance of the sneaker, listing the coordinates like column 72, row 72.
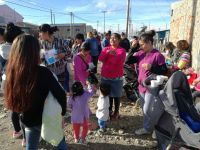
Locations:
column 115, row 116
column 17, row 134
column 142, row 131
column 23, row 143
column 83, row 141
column 102, row 130
column 76, row 141
column 154, row 135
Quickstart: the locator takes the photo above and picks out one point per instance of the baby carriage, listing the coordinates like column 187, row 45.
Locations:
column 179, row 124
column 131, row 84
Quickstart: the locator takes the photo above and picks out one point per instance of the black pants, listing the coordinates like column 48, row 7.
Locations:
column 95, row 62
column 15, row 121
column 15, row 118
column 116, row 102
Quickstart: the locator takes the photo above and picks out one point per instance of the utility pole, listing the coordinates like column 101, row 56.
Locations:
column 118, row 28
column 127, row 19
column 71, row 14
column 51, row 16
column 97, row 25
column 54, row 19
column 149, row 25
column 104, row 12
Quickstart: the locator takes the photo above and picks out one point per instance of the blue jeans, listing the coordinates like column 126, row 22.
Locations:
column 33, row 137
column 102, row 124
column 152, row 109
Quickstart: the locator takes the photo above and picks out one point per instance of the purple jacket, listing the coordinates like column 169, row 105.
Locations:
column 80, row 107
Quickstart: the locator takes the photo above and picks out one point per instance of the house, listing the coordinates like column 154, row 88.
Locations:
column 68, row 30
column 8, row 14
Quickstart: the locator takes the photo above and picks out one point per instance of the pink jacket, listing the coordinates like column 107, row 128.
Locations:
column 113, row 65
column 80, row 69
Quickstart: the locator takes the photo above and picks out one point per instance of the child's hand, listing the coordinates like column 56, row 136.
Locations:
column 195, row 82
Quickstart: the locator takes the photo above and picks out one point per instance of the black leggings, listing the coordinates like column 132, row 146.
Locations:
column 15, row 117
column 15, row 121
column 116, row 102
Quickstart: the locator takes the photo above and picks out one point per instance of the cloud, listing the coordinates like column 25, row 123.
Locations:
column 101, row 5
column 77, row 8
column 2, row 2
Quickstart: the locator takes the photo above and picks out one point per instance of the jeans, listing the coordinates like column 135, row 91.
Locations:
column 33, row 137
column 102, row 124
column 152, row 110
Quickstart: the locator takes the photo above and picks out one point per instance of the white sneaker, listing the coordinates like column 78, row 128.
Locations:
column 154, row 135
column 142, row 131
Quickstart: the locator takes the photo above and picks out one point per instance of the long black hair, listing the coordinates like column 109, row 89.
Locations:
column 48, row 28
column 11, row 32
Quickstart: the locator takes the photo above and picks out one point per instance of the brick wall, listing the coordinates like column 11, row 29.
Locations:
column 185, row 22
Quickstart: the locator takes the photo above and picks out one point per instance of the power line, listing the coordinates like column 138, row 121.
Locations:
column 32, row 4
column 35, row 8
column 80, row 18
column 25, row 6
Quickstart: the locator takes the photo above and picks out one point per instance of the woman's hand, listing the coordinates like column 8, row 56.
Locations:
column 146, row 66
column 112, row 52
column 60, row 56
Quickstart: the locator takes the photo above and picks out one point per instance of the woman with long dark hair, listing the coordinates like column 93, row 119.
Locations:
column 27, row 86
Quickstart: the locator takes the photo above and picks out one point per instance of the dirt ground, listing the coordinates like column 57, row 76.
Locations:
column 119, row 136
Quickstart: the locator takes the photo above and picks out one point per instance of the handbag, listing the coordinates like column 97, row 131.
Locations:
column 92, row 79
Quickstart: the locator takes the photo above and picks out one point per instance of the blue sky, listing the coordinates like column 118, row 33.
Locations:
column 153, row 13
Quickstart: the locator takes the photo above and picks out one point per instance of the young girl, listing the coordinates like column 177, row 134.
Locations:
column 78, row 102
column 103, row 105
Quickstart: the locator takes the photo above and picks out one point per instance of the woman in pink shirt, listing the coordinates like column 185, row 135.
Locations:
column 150, row 61
column 81, row 64
column 113, row 58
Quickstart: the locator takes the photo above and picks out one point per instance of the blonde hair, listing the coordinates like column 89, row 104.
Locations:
column 90, row 35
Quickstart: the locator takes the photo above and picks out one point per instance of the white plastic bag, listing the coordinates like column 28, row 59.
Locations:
column 52, row 130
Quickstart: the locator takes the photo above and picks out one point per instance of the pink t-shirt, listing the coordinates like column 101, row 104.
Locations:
column 80, row 69
column 113, row 65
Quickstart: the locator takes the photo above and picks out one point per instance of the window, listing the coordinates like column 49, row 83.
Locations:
column 77, row 30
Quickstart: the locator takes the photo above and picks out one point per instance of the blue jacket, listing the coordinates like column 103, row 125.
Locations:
column 105, row 43
column 94, row 50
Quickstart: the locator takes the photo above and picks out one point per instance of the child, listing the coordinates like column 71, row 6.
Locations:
column 78, row 102
column 103, row 105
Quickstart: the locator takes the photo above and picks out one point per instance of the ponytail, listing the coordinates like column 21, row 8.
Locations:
column 48, row 28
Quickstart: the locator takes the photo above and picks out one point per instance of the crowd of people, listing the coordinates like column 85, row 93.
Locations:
column 30, row 74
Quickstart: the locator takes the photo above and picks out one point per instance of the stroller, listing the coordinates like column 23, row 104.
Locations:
column 131, row 83
column 179, row 122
